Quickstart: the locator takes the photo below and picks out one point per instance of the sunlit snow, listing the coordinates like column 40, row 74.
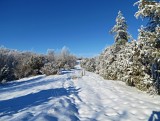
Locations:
column 72, row 97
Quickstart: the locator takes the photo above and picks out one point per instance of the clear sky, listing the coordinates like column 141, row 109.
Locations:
column 81, row 25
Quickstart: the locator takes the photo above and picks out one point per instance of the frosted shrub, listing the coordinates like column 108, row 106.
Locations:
column 7, row 64
column 50, row 68
column 36, row 62
column 89, row 64
column 66, row 67
column 6, row 74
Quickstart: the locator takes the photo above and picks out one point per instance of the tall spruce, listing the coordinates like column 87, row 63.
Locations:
column 120, row 30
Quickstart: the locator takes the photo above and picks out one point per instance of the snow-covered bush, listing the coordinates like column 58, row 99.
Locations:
column 7, row 64
column 6, row 74
column 28, row 64
column 51, row 55
column 64, row 58
column 16, row 65
column 50, row 68
column 89, row 64
column 36, row 62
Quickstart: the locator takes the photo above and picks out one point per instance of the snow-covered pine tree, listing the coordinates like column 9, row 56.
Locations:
column 150, row 10
column 120, row 30
column 149, row 37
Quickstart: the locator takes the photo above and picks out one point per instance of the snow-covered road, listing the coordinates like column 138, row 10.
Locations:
column 70, row 97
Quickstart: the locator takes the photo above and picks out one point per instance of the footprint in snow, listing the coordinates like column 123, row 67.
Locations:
column 125, row 103
column 110, row 112
column 134, row 112
column 115, row 108
column 141, row 102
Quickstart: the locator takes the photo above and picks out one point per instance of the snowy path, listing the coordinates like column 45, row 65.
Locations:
column 70, row 97
column 113, row 101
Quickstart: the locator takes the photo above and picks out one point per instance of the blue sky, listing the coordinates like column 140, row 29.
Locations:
column 81, row 25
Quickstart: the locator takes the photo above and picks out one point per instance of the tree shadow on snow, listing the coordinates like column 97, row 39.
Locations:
column 65, row 72
column 12, row 106
column 78, row 69
column 24, row 85
column 16, row 83
column 73, row 90
column 155, row 116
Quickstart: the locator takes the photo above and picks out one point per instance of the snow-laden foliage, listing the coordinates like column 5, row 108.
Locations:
column 120, row 30
column 50, row 68
column 89, row 64
column 129, row 63
column 16, row 65
column 7, row 64
column 56, row 62
column 150, row 35
column 151, row 10
column 65, row 59
column 137, row 62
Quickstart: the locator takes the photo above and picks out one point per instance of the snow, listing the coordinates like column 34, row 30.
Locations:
column 72, row 97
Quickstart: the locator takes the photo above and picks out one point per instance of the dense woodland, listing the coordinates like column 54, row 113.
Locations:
column 136, row 62
column 15, row 64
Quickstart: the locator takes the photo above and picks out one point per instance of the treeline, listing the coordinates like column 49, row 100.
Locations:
column 15, row 64
column 137, row 63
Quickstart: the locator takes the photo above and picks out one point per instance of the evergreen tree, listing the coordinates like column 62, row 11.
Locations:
column 150, row 10
column 149, row 36
column 120, row 29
